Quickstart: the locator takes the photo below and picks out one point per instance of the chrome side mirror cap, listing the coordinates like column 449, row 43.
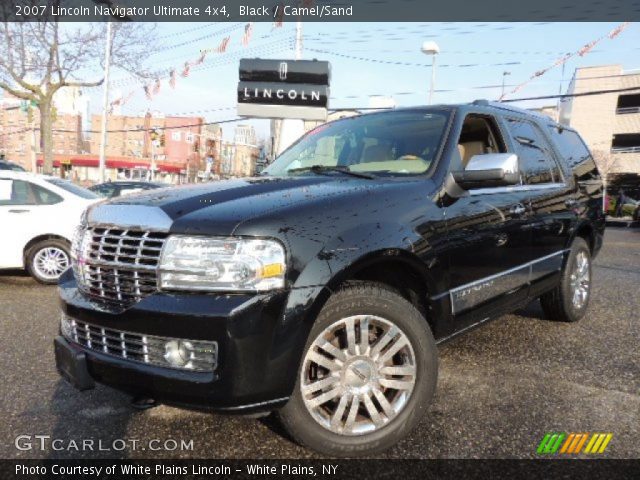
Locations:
column 489, row 170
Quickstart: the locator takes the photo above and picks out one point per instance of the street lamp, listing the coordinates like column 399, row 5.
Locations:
column 431, row 48
column 504, row 76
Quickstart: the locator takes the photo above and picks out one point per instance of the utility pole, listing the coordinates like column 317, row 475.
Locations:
column 32, row 142
column 105, row 103
column 293, row 126
column 298, row 40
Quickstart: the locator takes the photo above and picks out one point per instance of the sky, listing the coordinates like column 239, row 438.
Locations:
column 471, row 55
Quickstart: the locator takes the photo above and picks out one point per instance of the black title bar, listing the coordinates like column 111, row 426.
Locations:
column 277, row 11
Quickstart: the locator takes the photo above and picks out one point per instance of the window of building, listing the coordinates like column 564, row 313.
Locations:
column 537, row 164
column 175, row 136
column 628, row 104
column 626, row 143
column 189, row 137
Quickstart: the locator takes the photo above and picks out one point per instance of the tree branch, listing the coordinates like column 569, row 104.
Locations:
column 18, row 93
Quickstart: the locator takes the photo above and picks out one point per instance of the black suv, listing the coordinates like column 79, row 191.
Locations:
column 322, row 288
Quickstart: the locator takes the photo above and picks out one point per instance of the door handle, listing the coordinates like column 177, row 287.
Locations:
column 19, row 211
column 518, row 209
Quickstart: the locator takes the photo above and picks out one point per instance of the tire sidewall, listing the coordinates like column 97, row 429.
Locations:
column 400, row 312
column 574, row 314
column 33, row 251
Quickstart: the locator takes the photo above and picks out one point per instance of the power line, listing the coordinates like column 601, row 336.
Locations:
column 572, row 95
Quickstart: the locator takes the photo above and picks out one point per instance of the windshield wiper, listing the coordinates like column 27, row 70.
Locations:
column 338, row 168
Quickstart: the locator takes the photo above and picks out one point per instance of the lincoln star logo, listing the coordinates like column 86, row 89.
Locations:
column 283, row 70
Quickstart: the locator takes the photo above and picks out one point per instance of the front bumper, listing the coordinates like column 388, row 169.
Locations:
column 259, row 336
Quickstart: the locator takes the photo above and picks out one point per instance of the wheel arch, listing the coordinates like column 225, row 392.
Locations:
column 38, row 239
column 399, row 269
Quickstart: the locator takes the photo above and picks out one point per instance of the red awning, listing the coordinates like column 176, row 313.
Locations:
column 113, row 163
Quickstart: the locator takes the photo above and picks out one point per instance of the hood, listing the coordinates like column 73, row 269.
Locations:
column 217, row 208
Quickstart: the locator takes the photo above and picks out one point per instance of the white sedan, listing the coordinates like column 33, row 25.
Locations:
column 38, row 218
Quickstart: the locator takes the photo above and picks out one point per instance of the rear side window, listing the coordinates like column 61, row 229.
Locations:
column 44, row 196
column 535, row 157
column 575, row 153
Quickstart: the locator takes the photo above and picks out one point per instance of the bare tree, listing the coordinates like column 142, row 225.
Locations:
column 38, row 58
column 606, row 164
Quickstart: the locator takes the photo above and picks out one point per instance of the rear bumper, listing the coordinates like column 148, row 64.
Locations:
column 260, row 339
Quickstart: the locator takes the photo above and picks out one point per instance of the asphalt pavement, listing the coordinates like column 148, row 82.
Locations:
column 501, row 386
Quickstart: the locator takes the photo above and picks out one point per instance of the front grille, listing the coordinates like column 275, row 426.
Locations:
column 200, row 355
column 117, row 265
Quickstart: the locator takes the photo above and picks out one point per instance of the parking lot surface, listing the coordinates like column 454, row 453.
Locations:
column 501, row 387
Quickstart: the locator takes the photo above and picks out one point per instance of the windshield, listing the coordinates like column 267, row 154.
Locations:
column 70, row 187
column 389, row 143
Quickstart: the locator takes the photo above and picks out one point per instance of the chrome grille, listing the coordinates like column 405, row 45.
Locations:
column 136, row 346
column 117, row 265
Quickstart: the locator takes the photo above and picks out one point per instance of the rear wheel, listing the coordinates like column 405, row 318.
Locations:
column 568, row 302
column 47, row 260
column 367, row 375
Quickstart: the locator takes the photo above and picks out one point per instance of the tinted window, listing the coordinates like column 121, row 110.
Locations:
column 70, row 187
column 575, row 153
column 534, row 154
column 104, row 190
column 44, row 196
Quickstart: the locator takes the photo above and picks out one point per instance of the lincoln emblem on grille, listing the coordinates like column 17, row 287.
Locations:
column 283, row 70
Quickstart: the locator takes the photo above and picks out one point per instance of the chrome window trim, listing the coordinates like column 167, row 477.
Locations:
column 486, row 288
column 517, row 188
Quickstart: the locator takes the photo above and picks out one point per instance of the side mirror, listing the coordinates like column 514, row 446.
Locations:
column 489, row 170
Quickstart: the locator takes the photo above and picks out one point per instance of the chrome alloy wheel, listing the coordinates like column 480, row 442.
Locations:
column 580, row 278
column 358, row 375
column 50, row 262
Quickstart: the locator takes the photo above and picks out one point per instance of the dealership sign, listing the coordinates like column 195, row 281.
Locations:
column 284, row 89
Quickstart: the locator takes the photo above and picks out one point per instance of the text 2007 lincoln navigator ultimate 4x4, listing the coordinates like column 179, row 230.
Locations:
column 321, row 288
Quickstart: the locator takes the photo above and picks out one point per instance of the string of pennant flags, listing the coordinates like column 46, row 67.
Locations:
column 153, row 89
column 584, row 50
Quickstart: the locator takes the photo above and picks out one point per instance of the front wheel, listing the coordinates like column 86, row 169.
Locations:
column 47, row 260
column 368, row 373
column 568, row 302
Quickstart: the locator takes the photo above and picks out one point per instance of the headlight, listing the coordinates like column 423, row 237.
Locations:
column 221, row 264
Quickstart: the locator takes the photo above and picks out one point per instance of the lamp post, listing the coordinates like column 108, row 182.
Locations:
column 105, row 104
column 431, row 48
column 504, row 76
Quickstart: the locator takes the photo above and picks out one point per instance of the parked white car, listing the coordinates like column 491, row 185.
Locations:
column 38, row 217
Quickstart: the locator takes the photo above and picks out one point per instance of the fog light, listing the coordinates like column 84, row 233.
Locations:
column 178, row 353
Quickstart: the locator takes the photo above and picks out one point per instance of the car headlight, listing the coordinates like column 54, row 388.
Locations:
column 221, row 264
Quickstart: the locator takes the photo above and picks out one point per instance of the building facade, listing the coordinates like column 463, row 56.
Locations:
column 20, row 132
column 609, row 122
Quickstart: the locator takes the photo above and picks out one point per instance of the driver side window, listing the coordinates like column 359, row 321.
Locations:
column 479, row 136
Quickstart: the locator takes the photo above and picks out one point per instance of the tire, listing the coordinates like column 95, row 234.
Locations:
column 380, row 309
column 562, row 303
column 46, row 260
